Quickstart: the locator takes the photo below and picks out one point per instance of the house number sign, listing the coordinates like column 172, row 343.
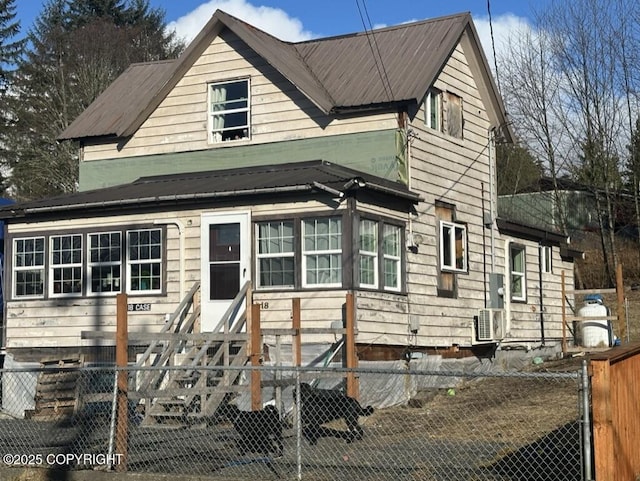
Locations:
column 139, row 307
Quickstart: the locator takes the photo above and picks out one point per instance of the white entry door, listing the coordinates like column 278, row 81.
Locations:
column 225, row 254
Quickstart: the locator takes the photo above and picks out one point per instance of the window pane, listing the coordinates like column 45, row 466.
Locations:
column 368, row 236
column 29, row 283
column 446, row 246
column 367, row 270
column 391, row 279
column 391, row 240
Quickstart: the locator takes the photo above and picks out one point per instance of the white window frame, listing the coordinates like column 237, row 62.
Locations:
column 222, row 134
column 140, row 260
column 433, row 105
column 546, row 259
column 58, row 263
column 32, row 261
column 277, row 253
column 394, row 258
column 448, row 246
column 333, row 253
column 515, row 249
column 95, row 266
column 371, row 255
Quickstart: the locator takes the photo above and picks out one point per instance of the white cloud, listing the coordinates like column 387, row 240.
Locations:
column 504, row 27
column 272, row 20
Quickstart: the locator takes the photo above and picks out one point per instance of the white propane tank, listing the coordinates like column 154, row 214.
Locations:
column 596, row 332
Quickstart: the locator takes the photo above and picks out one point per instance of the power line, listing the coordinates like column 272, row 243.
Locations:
column 493, row 47
column 382, row 72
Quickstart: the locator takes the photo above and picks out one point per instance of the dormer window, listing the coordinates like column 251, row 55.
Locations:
column 229, row 112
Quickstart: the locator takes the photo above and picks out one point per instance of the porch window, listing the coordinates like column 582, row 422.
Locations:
column 322, row 252
column 368, row 253
column 105, row 262
column 453, row 246
column 275, row 252
column 391, row 253
column 28, row 267
column 144, row 260
column 517, row 263
column 229, row 111
column 66, row 265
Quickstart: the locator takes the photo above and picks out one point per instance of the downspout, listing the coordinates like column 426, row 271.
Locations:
column 541, row 299
column 178, row 223
column 492, row 207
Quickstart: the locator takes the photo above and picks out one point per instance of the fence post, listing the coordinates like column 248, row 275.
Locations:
column 620, row 301
column 564, row 315
column 602, row 419
column 122, row 360
column 586, row 424
column 350, row 345
column 297, row 342
column 256, row 348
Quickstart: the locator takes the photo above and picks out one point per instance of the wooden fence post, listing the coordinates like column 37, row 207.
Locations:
column 256, row 358
column 350, row 346
column 564, row 314
column 602, row 419
column 297, row 341
column 622, row 325
column 122, row 359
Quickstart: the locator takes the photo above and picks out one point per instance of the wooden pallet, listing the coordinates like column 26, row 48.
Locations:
column 56, row 390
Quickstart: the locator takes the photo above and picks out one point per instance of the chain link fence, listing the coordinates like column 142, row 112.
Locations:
column 432, row 426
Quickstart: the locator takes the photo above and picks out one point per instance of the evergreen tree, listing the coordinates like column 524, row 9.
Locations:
column 10, row 51
column 516, row 169
column 76, row 49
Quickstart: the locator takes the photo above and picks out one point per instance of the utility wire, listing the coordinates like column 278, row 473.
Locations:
column 493, row 47
column 382, row 72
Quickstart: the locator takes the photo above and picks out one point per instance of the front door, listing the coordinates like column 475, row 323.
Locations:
column 225, row 263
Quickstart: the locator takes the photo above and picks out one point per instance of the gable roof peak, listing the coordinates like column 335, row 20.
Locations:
column 334, row 73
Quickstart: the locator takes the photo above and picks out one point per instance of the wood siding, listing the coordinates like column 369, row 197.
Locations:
column 456, row 171
column 279, row 112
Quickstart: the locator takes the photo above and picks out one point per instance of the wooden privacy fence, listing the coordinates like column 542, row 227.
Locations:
column 615, row 400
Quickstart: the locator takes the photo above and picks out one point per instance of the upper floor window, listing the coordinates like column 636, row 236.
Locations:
column 453, row 112
column 545, row 259
column 66, row 265
column 518, row 264
column 28, row 267
column 229, row 110
column 453, row 246
column 275, row 252
column 433, row 109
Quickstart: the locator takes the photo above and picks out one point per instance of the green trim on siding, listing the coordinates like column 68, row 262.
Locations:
column 370, row 152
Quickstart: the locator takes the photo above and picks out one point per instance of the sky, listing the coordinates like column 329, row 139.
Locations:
column 296, row 20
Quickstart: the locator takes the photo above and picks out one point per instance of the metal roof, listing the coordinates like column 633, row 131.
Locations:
column 187, row 188
column 364, row 70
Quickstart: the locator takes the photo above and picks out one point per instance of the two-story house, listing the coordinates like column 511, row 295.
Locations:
column 313, row 170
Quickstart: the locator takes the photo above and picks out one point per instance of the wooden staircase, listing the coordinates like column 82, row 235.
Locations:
column 189, row 376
